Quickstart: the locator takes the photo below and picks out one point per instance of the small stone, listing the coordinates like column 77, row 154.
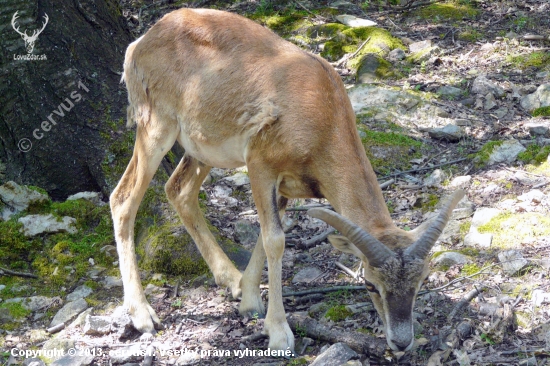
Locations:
column 69, row 311
column 246, row 232
column 74, row 360
column 396, row 54
column 484, row 86
column 447, row 91
column 188, row 358
column 33, row 362
column 542, row 74
column 121, row 323
column 39, row 224
column 110, row 251
column 535, row 196
column 58, row 347
column 222, row 191
column 450, row 258
column 89, row 196
column 79, row 293
column 435, row 179
column 490, row 102
column 450, row 133
column 460, row 182
column 354, row 22
column 306, row 275
column 360, row 307
column 97, row 325
column 111, row 281
column 538, row 128
column 18, row 198
column 501, row 112
column 337, row 354
column 507, row 152
column 237, row 180
column 539, row 297
column 372, row 67
column 540, row 98
column 34, row 303
column 420, row 46
column 512, row 261
column 133, row 353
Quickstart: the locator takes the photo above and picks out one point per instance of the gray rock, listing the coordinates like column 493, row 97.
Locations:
column 39, row 224
column 369, row 68
column 74, row 360
column 435, row 179
column 246, row 233
column 420, row 46
column 451, row 258
column 501, row 112
column 34, row 303
column 539, row 297
column 490, row 102
column 188, row 358
column 110, row 251
column 507, row 152
column 111, row 281
column 481, row 217
column 484, row 86
column 238, row 179
column 460, row 182
column 127, row 354
column 354, row 22
column 535, row 196
column 449, row 92
column 33, row 362
column 121, row 323
column 337, row 354
column 512, row 261
column 79, row 293
column 450, row 133
column 89, row 196
column 57, row 347
column 540, row 98
column 360, row 307
column 97, row 325
column 538, row 128
column 17, row 198
column 69, row 311
column 396, row 55
column 306, row 275
column 222, row 191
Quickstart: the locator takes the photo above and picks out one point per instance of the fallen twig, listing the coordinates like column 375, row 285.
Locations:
column 307, row 207
column 13, row 273
column 462, row 303
column 253, row 337
column 324, row 290
column 56, row 328
column 425, row 168
column 362, row 343
column 459, row 279
column 346, row 269
column 316, row 239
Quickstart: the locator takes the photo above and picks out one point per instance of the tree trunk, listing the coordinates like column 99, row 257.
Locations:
column 60, row 112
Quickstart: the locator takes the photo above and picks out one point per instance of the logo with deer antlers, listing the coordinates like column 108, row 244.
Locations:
column 29, row 40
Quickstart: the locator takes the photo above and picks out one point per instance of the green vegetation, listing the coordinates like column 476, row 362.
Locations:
column 16, row 309
column 338, row 313
column 388, row 150
column 482, row 156
column 542, row 111
column 465, row 228
column 470, row 269
column 450, row 10
column 511, row 230
column 470, row 34
column 537, row 59
column 534, row 154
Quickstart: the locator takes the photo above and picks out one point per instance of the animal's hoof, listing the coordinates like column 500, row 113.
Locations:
column 144, row 318
column 281, row 338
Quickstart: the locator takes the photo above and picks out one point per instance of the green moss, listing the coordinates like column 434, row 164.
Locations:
column 534, row 154
column 446, row 11
column 471, row 252
column 16, row 309
column 470, row 269
column 470, row 35
column 537, row 59
column 465, row 228
column 38, row 189
column 430, row 202
column 482, row 156
column 510, row 230
column 542, row 111
column 388, row 150
column 338, row 313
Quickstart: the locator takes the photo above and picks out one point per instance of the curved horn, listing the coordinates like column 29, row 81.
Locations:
column 376, row 252
column 424, row 244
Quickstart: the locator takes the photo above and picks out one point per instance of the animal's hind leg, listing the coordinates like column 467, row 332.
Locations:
column 182, row 190
column 251, row 300
column 152, row 142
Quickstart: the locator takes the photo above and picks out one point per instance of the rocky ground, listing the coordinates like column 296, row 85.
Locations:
column 448, row 95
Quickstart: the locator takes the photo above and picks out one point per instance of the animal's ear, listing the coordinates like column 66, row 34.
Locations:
column 343, row 244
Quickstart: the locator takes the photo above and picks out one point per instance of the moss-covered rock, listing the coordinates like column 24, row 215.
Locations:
column 373, row 67
column 450, row 10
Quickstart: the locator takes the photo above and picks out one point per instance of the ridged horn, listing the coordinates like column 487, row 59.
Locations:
column 421, row 248
column 376, row 252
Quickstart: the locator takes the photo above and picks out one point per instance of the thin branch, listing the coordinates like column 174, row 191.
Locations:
column 324, row 290
column 346, row 269
column 459, row 279
column 462, row 303
column 316, row 239
column 4, row 271
column 307, row 207
column 425, row 168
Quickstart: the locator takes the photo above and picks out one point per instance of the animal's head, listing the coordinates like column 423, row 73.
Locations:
column 392, row 277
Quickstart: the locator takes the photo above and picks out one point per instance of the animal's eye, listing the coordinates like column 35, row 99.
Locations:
column 371, row 288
